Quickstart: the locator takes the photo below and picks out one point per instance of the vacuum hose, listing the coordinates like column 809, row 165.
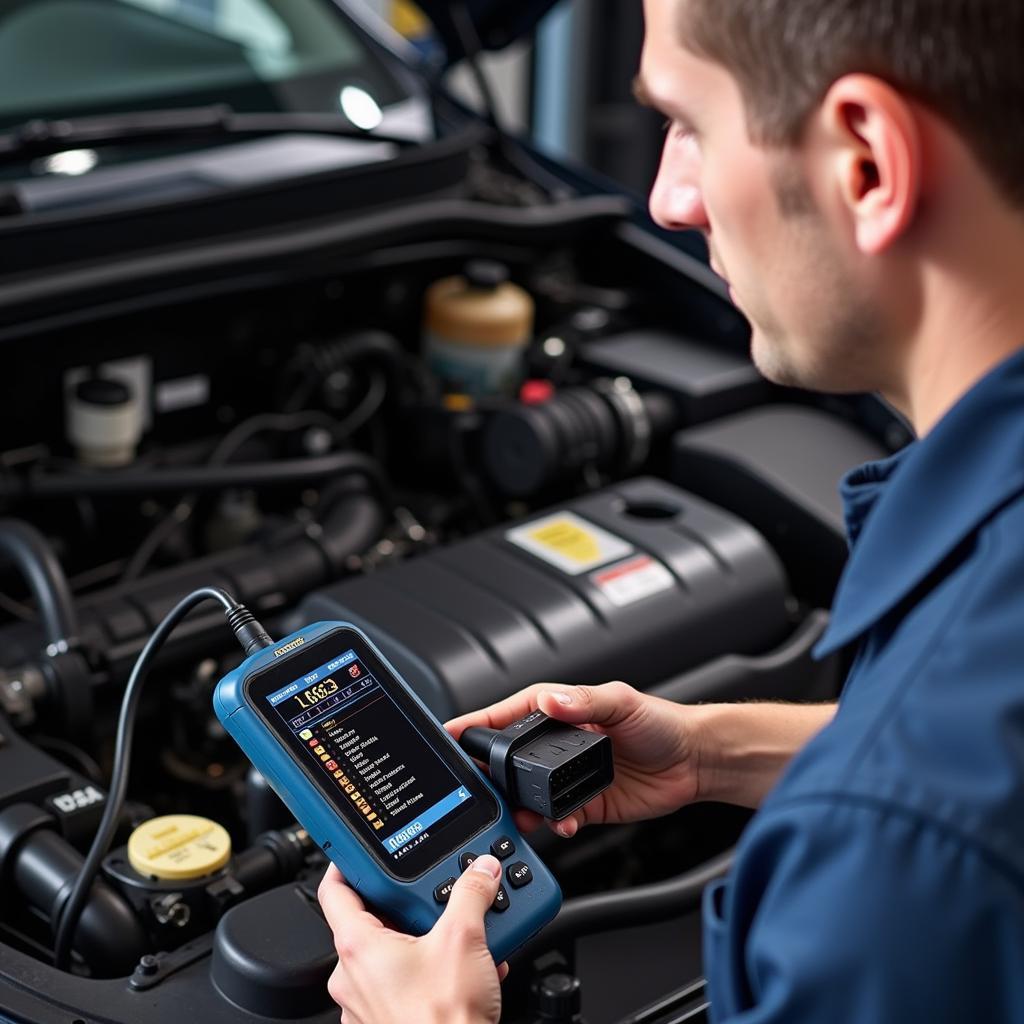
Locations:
column 28, row 549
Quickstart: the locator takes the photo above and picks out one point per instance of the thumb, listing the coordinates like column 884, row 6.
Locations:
column 607, row 704
column 472, row 896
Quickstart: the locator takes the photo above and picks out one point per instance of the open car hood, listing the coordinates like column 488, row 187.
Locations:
column 498, row 22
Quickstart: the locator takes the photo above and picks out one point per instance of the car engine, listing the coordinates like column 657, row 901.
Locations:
column 623, row 498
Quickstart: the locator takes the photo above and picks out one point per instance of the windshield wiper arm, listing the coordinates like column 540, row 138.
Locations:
column 43, row 138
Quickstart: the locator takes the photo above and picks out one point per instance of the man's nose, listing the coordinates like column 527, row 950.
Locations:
column 677, row 201
column 677, row 205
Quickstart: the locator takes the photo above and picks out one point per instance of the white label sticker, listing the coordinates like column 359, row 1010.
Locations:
column 633, row 580
column 569, row 543
column 182, row 393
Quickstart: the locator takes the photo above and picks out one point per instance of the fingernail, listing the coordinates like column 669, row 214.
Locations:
column 487, row 864
column 562, row 698
column 563, row 831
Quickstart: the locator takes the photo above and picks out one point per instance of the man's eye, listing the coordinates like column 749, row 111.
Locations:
column 677, row 129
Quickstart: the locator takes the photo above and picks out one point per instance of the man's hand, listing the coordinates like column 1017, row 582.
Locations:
column 444, row 977
column 666, row 754
column 655, row 744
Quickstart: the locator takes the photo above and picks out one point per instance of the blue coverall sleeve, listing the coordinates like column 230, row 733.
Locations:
column 848, row 911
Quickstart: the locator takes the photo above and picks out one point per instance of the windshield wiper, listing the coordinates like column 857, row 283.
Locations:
column 40, row 138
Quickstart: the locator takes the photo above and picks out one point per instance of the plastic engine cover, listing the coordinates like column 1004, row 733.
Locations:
column 636, row 582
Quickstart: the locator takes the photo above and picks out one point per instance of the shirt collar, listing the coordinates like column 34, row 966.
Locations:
column 905, row 514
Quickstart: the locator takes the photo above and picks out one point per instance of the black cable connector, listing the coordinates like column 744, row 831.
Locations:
column 544, row 765
column 248, row 632
column 253, row 637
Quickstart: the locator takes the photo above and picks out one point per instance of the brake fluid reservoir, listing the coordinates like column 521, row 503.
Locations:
column 476, row 329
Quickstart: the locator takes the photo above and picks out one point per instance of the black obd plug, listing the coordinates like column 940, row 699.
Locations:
column 544, row 765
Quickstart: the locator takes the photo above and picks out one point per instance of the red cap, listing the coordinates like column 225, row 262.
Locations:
column 536, row 392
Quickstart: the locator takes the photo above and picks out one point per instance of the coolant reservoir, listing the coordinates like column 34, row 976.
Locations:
column 476, row 329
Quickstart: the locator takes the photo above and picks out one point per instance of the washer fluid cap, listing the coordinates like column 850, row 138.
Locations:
column 179, row 846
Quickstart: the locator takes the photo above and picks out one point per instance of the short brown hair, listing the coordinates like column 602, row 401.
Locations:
column 961, row 58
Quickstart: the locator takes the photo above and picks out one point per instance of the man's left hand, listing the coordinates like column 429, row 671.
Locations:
column 447, row 975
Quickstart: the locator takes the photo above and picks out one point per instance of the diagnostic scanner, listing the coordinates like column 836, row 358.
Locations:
column 378, row 783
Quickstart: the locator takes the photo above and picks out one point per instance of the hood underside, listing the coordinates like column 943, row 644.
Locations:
column 498, row 22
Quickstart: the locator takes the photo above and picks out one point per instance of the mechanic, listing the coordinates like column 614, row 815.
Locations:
column 856, row 168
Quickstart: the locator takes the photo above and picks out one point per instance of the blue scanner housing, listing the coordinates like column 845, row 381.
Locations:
column 401, row 866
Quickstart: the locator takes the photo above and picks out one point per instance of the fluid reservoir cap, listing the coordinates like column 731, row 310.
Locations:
column 536, row 392
column 103, row 391
column 486, row 275
column 178, row 846
column 273, row 956
column 558, row 998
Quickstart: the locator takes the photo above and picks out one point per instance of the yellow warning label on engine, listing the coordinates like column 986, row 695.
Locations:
column 564, row 536
column 569, row 542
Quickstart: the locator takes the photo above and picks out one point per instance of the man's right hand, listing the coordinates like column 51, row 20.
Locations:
column 656, row 745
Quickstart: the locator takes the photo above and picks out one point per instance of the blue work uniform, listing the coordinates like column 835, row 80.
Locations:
column 883, row 879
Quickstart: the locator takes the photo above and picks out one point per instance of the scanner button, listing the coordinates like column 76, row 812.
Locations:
column 444, row 890
column 503, row 848
column 467, row 858
column 501, row 901
column 519, row 874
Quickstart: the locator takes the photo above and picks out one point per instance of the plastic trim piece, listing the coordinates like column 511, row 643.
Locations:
column 298, row 252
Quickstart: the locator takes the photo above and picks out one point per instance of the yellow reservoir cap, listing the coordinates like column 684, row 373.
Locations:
column 179, row 846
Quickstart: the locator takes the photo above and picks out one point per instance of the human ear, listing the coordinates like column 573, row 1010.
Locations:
column 876, row 158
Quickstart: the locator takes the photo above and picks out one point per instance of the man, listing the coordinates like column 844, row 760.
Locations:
column 856, row 167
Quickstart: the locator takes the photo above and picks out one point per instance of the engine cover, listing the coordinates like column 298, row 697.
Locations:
column 636, row 582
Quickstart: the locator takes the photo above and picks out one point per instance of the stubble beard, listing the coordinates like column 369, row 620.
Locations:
column 835, row 349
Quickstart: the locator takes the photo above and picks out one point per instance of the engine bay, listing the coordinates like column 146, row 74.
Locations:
column 632, row 501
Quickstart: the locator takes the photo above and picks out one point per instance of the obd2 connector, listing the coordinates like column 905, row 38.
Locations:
column 542, row 764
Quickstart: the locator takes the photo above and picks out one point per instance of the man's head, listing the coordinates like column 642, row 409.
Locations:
column 827, row 148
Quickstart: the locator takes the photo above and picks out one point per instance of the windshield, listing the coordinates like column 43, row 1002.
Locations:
column 63, row 58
